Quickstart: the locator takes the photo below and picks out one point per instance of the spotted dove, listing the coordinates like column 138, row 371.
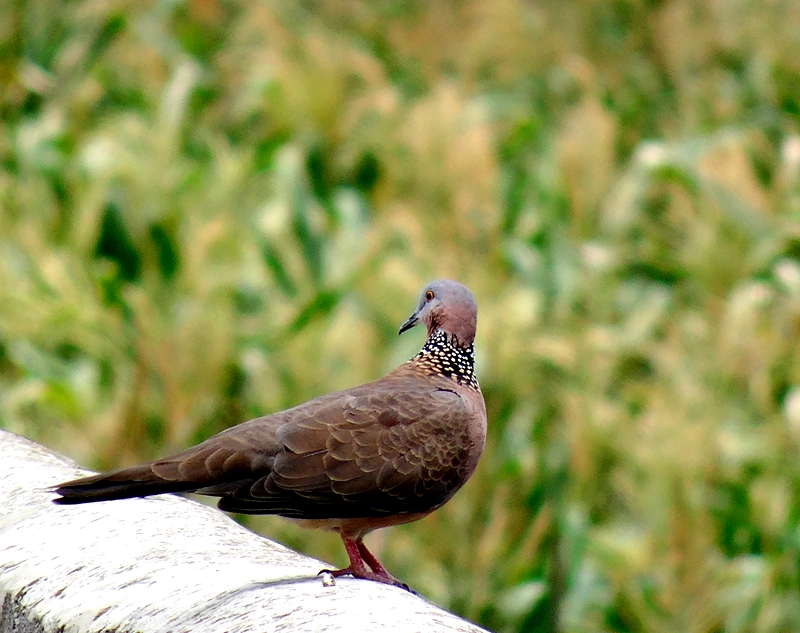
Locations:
column 384, row 453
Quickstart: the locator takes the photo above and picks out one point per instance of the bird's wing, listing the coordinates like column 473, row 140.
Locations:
column 364, row 452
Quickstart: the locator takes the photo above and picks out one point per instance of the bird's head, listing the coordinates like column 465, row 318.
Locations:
column 449, row 307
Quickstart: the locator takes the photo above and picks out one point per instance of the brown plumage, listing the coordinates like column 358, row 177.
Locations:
column 384, row 453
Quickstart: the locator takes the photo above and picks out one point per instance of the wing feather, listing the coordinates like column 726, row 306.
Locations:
column 363, row 455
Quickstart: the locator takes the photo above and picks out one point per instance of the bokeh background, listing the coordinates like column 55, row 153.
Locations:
column 211, row 210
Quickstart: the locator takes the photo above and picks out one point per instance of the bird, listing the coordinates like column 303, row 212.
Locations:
column 380, row 454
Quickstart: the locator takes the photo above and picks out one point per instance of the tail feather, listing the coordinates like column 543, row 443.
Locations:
column 138, row 481
column 216, row 467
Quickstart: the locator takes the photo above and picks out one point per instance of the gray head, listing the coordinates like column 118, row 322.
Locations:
column 447, row 306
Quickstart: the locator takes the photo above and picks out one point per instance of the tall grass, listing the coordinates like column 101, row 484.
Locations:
column 211, row 210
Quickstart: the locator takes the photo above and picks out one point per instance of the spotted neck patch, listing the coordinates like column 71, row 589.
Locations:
column 447, row 358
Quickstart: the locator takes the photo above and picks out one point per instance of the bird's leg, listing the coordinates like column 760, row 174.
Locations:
column 357, row 567
column 363, row 564
column 369, row 559
column 375, row 565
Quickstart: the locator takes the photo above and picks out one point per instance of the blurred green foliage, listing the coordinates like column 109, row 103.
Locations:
column 210, row 210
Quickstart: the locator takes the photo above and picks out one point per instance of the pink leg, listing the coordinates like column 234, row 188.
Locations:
column 369, row 559
column 364, row 565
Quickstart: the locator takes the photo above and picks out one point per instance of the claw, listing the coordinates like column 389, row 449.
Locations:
column 386, row 579
column 364, row 565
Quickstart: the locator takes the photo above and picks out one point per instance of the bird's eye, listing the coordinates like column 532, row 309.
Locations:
column 429, row 295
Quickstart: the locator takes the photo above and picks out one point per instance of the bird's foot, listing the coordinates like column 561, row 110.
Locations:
column 364, row 565
column 385, row 578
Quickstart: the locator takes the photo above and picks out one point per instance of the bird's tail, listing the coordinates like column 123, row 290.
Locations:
column 137, row 481
column 218, row 466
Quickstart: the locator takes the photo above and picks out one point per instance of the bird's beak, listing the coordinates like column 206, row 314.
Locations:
column 410, row 322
